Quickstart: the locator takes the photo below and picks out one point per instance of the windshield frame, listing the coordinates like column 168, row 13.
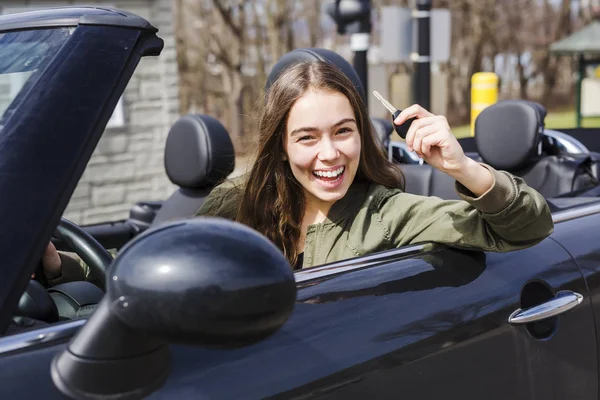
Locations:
column 47, row 142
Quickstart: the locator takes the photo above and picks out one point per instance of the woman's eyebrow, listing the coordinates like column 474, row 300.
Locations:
column 343, row 121
column 303, row 129
column 312, row 129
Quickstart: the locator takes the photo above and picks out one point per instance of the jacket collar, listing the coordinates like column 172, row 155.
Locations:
column 349, row 205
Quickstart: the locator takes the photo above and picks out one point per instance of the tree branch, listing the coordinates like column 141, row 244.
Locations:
column 227, row 18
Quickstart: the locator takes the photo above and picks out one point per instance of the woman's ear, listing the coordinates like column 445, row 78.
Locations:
column 283, row 157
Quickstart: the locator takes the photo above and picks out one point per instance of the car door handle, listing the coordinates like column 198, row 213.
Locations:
column 562, row 302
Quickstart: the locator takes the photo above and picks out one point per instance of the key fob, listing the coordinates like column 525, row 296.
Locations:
column 402, row 130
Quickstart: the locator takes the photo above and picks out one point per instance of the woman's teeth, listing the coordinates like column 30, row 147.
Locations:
column 329, row 174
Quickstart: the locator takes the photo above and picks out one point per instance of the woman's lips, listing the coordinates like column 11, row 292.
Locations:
column 330, row 183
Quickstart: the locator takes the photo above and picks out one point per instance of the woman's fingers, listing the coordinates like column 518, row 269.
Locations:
column 424, row 139
column 413, row 111
column 432, row 140
column 416, row 126
column 420, row 128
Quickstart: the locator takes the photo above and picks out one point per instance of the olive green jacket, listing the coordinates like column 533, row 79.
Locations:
column 372, row 218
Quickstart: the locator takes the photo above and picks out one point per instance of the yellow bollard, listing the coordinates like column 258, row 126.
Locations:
column 484, row 93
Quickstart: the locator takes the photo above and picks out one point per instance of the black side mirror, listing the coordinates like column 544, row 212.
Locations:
column 205, row 282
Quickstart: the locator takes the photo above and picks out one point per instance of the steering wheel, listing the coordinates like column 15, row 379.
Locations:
column 37, row 302
column 86, row 247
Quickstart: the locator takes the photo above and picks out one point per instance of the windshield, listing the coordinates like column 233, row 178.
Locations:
column 22, row 54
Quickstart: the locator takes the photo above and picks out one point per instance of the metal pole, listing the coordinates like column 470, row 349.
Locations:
column 581, row 62
column 421, row 57
column 359, row 44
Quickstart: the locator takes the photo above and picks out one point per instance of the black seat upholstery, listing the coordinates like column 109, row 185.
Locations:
column 199, row 155
column 508, row 137
column 428, row 181
column 383, row 131
column 507, row 134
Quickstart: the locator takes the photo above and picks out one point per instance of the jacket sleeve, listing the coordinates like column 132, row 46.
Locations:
column 73, row 268
column 223, row 201
column 509, row 216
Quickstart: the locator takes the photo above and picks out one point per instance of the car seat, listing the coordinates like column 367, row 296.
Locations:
column 199, row 155
column 508, row 137
column 383, row 131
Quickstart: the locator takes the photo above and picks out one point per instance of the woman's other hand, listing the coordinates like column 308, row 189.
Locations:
column 51, row 262
column 431, row 138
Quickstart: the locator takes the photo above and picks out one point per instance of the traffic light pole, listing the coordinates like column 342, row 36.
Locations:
column 354, row 17
column 422, row 55
column 359, row 44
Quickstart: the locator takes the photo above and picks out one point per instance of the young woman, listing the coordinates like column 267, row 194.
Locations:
column 323, row 190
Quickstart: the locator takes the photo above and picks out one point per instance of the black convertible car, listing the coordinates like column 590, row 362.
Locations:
column 208, row 309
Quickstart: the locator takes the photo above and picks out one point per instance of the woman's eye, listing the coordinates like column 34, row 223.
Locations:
column 344, row 130
column 304, row 138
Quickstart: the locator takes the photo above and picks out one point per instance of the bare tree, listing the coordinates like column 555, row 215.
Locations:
column 226, row 47
column 227, row 44
column 470, row 45
column 190, row 57
column 312, row 14
column 280, row 32
column 558, row 25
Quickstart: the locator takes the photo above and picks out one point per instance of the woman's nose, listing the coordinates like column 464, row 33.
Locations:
column 328, row 150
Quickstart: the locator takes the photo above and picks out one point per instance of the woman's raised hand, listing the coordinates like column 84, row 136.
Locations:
column 431, row 138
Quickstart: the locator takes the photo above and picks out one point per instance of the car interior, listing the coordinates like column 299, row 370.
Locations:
column 509, row 136
column 199, row 154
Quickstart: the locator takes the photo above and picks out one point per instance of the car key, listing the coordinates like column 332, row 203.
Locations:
column 401, row 130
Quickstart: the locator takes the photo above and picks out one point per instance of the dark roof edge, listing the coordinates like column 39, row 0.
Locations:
column 73, row 16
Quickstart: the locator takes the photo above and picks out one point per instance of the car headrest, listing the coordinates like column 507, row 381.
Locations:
column 199, row 153
column 383, row 130
column 316, row 54
column 507, row 133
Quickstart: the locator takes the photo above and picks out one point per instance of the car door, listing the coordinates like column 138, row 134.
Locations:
column 423, row 321
column 418, row 322
column 576, row 229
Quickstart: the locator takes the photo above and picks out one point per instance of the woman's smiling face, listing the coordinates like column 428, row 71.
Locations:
column 322, row 145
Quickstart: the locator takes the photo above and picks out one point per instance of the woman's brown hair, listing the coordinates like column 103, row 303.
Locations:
column 273, row 202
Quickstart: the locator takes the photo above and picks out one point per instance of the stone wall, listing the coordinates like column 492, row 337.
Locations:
column 127, row 166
